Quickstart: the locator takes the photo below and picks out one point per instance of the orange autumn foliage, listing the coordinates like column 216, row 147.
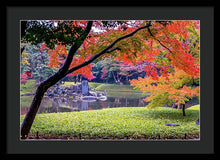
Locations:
column 174, row 87
column 57, row 58
column 170, row 48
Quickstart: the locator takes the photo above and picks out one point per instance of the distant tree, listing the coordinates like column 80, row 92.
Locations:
column 24, row 78
column 35, row 62
column 97, row 72
column 113, row 71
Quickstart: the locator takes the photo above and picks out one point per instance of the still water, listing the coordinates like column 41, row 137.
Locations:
column 63, row 104
column 68, row 104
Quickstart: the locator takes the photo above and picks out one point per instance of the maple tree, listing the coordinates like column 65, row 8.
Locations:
column 175, row 89
column 178, row 67
column 74, row 46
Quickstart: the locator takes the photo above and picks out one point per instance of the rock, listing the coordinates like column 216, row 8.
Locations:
column 79, row 89
column 73, row 88
column 171, row 124
column 27, row 94
column 174, row 106
column 85, row 87
column 60, row 92
column 198, row 121
column 50, row 95
column 180, row 106
column 60, row 87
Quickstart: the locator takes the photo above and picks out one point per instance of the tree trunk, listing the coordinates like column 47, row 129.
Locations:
column 29, row 118
column 42, row 88
column 114, row 77
column 184, row 114
column 119, row 78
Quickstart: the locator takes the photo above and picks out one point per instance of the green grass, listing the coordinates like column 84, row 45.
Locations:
column 196, row 107
column 94, row 85
column 133, row 122
column 103, row 86
column 115, row 87
column 29, row 87
column 128, row 94
column 25, row 101
column 69, row 83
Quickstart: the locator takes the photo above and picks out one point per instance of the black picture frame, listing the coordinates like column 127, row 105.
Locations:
column 17, row 10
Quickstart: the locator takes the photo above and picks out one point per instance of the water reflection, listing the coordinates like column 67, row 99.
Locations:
column 61, row 104
column 64, row 104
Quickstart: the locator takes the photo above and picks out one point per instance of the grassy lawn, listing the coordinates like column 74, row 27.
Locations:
column 115, row 87
column 118, row 123
column 29, row 87
column 103, row 86
column 26, row 101
column 125, row 94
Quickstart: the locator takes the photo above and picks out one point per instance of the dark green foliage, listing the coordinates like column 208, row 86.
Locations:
column 111, row 71
column 38, row 63
column 51, row 32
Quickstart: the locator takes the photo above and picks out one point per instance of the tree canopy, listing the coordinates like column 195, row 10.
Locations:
column 168, row 52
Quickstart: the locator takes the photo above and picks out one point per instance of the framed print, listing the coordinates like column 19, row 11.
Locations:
column 110, row 80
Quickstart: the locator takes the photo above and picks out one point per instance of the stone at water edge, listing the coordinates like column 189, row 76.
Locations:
column 198, row 121
column 85, row 87
column 73, row 88
column 171, row 124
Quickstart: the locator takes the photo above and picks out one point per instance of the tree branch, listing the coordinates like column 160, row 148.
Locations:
column 106, row 50
column 76, row 46
column 116, row 48
column 163, row 45
column 159, row 40
column 64, row 69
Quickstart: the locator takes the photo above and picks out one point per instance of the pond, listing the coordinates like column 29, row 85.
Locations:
column 70, row 104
